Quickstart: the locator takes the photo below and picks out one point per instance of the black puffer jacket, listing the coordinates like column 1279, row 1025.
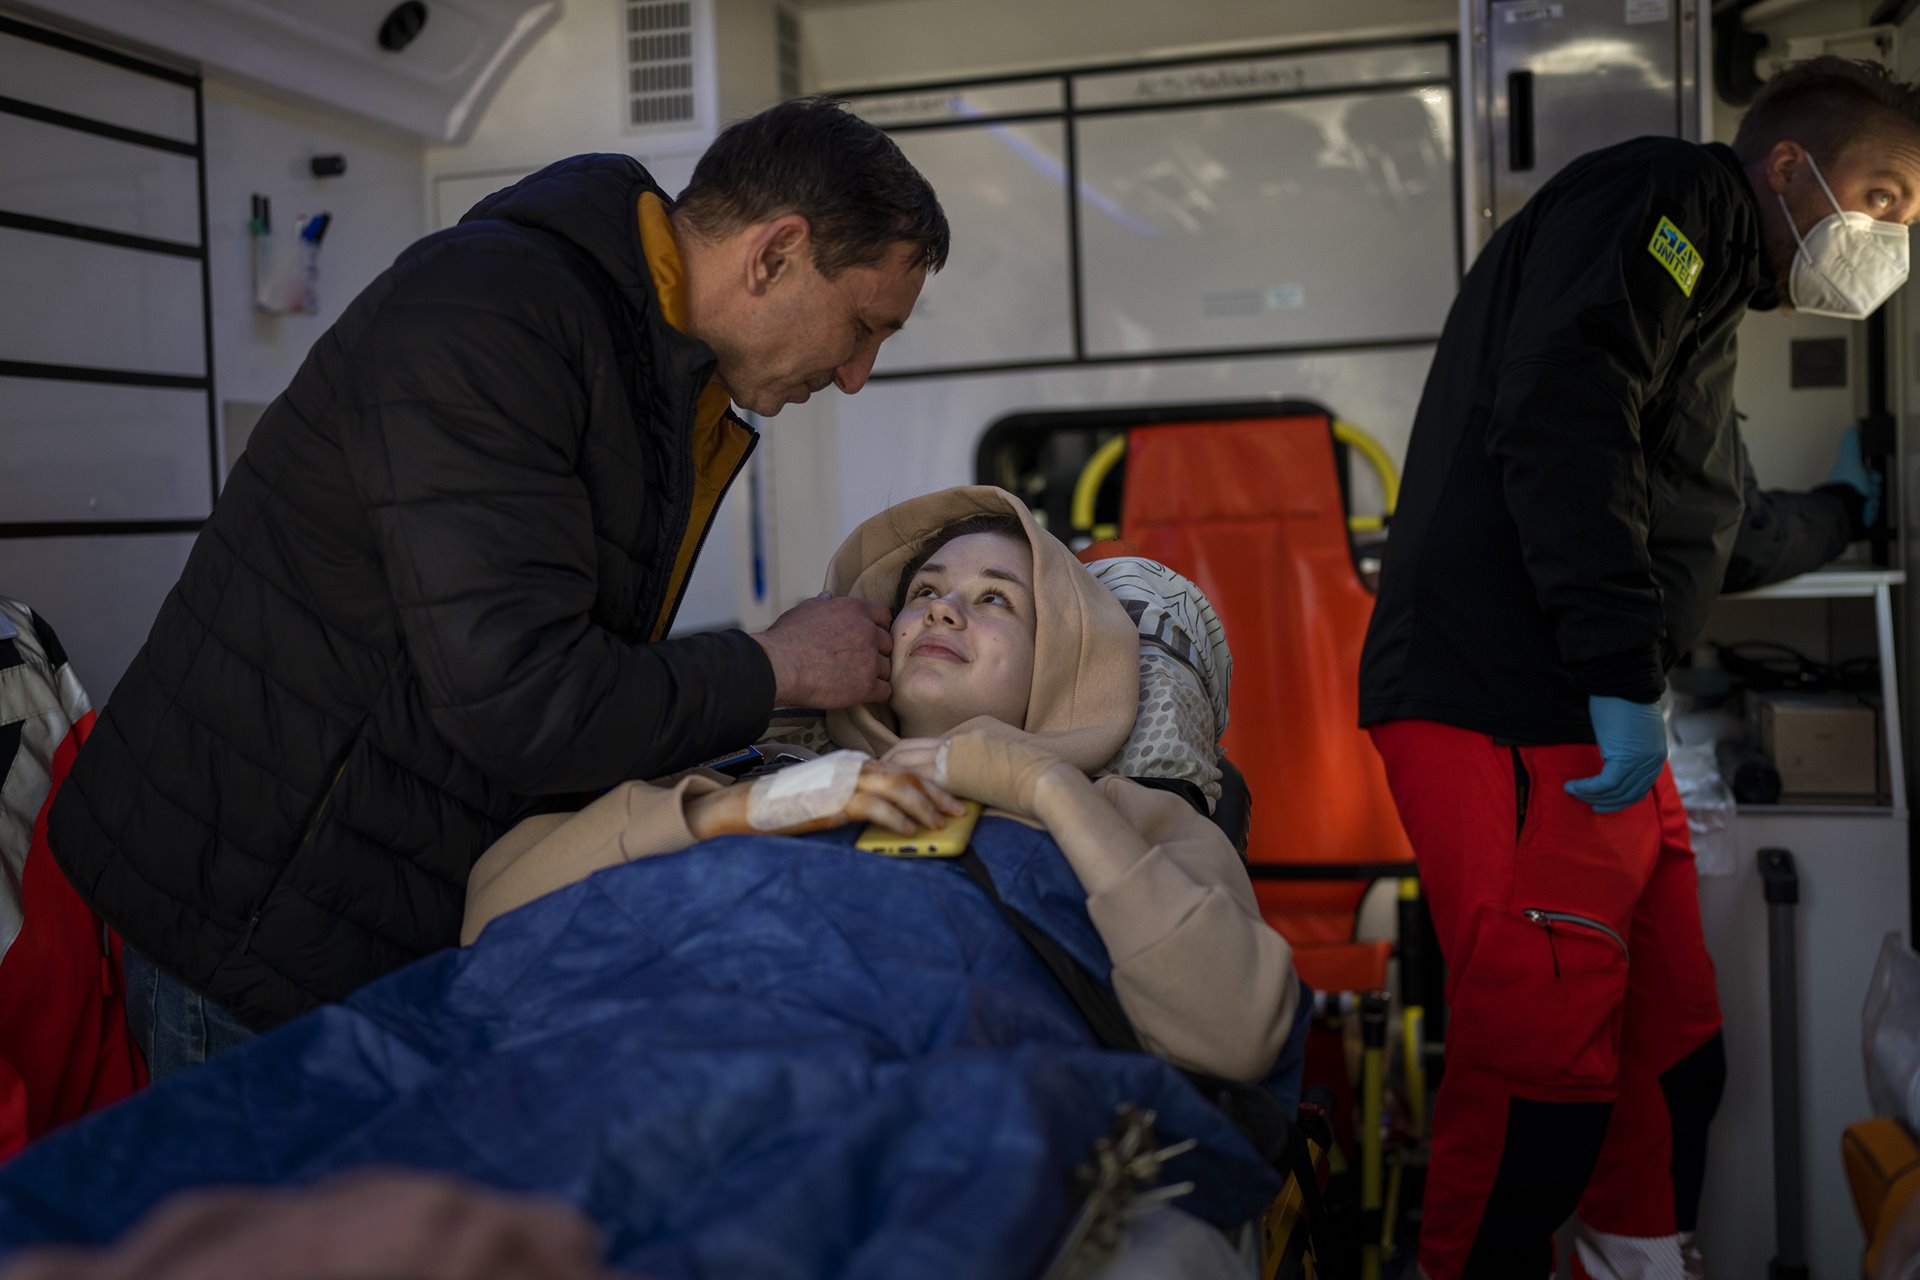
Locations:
column 1572, row 488
column 419, row 607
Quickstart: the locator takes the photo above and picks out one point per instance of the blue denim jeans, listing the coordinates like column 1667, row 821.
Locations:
column 175, row 1026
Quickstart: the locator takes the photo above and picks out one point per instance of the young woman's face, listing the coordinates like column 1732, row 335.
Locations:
column 963, row 641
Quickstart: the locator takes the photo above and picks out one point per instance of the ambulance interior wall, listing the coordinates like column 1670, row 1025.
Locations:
column 901, row 437
column 865, row 45
column 102, row 591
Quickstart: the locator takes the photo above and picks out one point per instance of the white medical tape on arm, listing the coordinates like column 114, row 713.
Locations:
column 804, row 793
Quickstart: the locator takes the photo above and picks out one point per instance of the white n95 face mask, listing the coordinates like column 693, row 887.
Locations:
column 1848, row 264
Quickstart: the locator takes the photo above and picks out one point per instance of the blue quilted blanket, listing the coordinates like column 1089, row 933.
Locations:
column 759, row 1057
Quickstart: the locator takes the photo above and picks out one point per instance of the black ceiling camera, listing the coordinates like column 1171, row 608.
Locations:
column 402, row 25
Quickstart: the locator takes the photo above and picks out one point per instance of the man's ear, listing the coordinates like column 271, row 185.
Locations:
column 776, row 250
column 1782, row 162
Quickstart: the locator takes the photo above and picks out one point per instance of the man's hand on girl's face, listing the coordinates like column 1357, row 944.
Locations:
column 830, row 652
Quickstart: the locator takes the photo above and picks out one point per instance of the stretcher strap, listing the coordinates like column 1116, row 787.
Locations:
column 1256, row 1113
column 1095, row 1000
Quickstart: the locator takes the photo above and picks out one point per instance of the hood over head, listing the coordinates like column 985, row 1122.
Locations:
column 1086, row 688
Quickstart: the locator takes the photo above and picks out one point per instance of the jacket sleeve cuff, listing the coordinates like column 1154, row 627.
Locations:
column 749, row 708
column 1854, row 503
column 657, row 822
column 1636, row 675
column 546, row 854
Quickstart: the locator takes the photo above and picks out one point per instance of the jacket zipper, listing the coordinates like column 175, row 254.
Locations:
column 320, row 811
column 683, row 509
column 1547, row 919
column 1522, row 794
column 753, row 442
column 306, row 838
column 683, row 471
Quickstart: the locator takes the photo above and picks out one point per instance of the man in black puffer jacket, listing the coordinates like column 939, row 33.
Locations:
column 435, row 591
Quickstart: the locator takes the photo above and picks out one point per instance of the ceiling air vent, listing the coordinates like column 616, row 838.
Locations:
column 659, row 63
column 786, row 40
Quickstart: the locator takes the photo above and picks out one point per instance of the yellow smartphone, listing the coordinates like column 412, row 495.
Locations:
column 949, row 841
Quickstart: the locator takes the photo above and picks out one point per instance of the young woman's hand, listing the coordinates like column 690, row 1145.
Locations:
column 895, row 797
column 994, row 763
column 919, row 755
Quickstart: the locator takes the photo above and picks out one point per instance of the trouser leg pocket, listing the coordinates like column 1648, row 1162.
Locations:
column 1540, row 997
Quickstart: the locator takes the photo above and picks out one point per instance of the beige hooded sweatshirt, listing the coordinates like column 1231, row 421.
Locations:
column 1205, row 981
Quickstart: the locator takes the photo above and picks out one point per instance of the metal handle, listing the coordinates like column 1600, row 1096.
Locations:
column 1519, row 121
column 1782, row 886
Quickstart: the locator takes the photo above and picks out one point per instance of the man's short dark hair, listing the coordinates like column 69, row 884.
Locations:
column 813, row 157
column 1824, row 104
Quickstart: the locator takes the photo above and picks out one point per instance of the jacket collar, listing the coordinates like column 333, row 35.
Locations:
column 1763, row 297
column 589, row 201
column 664, row 265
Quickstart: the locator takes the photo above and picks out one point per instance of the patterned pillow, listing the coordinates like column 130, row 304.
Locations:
column 1186, row 671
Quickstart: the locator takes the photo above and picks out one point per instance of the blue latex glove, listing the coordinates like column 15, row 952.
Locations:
column 1633, row 749
column 1850, row 469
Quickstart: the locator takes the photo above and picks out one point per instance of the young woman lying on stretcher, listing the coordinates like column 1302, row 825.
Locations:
column 784, row 1056
column 1015, row 677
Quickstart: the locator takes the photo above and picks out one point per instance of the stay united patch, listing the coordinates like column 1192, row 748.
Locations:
column 1680, row 258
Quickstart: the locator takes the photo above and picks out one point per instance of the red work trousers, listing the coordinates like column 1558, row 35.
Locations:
column 1580, row 1000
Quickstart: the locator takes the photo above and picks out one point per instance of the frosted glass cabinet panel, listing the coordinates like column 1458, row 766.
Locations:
column 1317, row 221
column 69, row 176
column 1005, row 294
column 105, row 402
column 1290, row 72
column 60, row 80
column 72, row 302
column 88, row 451
column 935, row 106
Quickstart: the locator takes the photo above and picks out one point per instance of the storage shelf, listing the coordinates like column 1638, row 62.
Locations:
column 1827, row 584
column 1860, row 583
column 1818, row 811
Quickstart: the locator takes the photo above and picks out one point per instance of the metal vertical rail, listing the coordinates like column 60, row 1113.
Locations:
column 1782, row 886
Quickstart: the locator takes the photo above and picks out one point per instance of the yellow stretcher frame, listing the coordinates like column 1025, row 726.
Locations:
column 1379, row 1185
column 1087, row 488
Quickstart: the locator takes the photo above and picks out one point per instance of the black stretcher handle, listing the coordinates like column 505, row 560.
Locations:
column 1519, row 121
column 1778, row 879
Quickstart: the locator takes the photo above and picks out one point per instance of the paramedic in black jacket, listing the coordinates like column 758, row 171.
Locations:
column 1571, row 493
column 435, row 592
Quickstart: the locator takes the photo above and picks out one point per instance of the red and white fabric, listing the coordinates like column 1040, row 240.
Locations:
column 64, row 1045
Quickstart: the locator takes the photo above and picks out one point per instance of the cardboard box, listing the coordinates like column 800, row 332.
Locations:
column 1823, row 744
